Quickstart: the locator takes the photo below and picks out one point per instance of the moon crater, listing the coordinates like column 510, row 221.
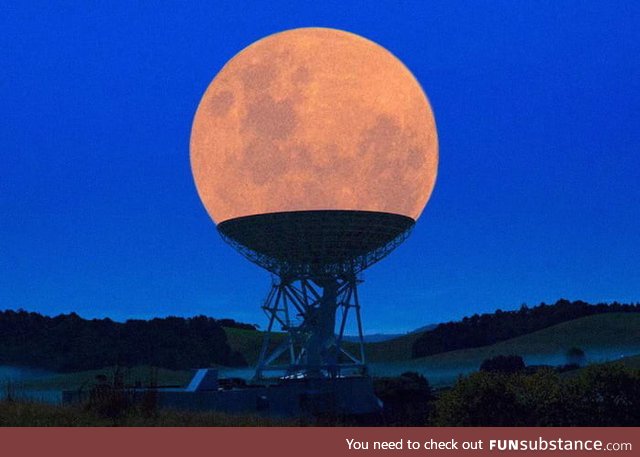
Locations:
column 271, row 119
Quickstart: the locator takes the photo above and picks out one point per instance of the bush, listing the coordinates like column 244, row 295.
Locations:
column 407, row 399
column 575, row 356
column 606, row 395
column 108, row 398
column 481, row 399
column 600, row 395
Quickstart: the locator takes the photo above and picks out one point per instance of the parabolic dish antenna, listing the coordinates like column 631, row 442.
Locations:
column 314, row 150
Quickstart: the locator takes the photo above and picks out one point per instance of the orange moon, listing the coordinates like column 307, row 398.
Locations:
column 314, row 119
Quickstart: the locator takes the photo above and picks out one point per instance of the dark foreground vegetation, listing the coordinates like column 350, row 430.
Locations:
column 598, row 395
column 30, row 414
column 486, row 329
column 408, row 400
column 69, row 343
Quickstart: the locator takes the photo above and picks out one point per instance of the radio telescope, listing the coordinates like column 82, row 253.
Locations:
column 315, row 151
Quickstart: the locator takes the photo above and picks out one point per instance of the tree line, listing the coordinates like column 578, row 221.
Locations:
column 486, row 329
column 70, row 343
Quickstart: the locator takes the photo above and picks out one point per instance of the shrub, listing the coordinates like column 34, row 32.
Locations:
column 481, row 399
column 576, row 356
column 606, row 395
column 407, row 399
column 600, row 395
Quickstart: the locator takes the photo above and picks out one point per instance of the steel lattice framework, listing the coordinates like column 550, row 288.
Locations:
column 297, row 306
column 316, row 257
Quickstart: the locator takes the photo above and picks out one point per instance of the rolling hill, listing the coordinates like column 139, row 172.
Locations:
column 603, row 337
column 249, row 343
column 594, row 334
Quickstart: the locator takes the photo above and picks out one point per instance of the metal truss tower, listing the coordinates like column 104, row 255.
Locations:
column 306, row 310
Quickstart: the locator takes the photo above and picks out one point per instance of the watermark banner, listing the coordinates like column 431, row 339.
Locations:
column 309, row 441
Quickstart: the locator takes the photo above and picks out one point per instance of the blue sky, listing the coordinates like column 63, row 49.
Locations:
column 538, row 193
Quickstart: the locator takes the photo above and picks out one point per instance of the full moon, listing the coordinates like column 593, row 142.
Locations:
column 314, row 119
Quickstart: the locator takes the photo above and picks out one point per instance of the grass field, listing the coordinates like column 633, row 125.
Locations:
column 391, row 350
column 602, row 337
column 592, row 332
column 249, row 343
column 632, row 361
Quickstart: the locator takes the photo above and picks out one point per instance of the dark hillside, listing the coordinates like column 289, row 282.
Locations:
column 487, row 329
column 71, row 343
